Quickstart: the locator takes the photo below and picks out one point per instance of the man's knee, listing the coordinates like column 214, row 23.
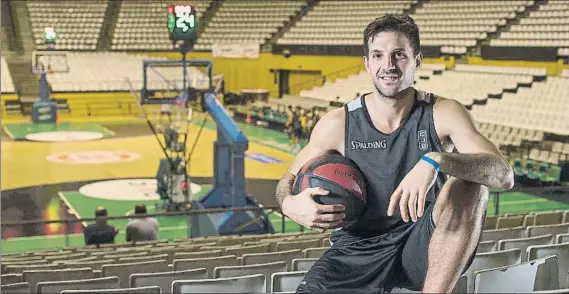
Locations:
column 462, row 200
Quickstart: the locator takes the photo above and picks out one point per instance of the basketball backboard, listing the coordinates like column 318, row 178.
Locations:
column 49, row 62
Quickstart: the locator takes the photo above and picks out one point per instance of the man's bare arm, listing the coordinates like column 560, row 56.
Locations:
column 479, row 160
column 328, row 134
column 284, row 187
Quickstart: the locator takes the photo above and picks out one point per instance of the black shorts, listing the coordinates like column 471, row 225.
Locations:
column 375, row 264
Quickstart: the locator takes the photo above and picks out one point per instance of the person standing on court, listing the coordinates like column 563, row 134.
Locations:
column 100, row 232
column 427, row 171
column 141, row 229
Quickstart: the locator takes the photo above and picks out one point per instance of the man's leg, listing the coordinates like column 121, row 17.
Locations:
column 353, row 265
column 459, row 218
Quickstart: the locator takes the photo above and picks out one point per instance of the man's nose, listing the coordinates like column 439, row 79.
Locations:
column 388, row 63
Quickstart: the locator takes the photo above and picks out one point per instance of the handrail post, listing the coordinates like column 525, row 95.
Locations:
column 67, row 234
column 282, row 223
column 188, row 226
column 497, row 204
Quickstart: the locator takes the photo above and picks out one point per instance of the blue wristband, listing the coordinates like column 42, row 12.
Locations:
column 435, row 164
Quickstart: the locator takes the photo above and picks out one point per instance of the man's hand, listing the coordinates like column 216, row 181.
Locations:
column 305, row 211
column 412, row 191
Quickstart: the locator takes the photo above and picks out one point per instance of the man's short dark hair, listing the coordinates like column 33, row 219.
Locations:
column 393, row 23
column 140, row 209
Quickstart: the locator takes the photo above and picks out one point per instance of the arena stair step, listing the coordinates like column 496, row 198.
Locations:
column 109, row 24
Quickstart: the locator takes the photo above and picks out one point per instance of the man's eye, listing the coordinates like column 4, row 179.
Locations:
column 400, row 55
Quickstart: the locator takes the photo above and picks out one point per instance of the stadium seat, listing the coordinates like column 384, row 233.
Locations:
column 499, row 234
column 303, row 264
column 83, row 284
column 17, row 269
column 486, row 246
column 523, row 243
column 510, row 221
column 10, row 279
column 518, row 278
column 288, row 256
column 286, row 281
column 123, row 271
column 243, row 284
column 314, row 252
column 267, row 269
column 562, row 238
column 164, row 280
column 239, row 251
column 558, row 291
column 491, row 260
column 35, row 277
column 533, row 231
column 559, row 250
column 209, row 263
column 144, row 290
column 16, row 288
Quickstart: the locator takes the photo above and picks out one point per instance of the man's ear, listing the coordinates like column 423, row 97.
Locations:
column 365, row 61
column 419, row 59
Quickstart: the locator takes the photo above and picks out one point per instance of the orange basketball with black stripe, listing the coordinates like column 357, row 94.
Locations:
column 341, row 177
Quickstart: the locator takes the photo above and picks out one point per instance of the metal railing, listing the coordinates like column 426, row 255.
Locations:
column 70, row 222
column 266, row 212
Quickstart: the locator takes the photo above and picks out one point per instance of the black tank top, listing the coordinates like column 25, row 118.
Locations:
column 385, row 159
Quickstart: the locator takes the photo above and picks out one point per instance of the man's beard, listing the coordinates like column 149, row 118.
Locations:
column 393, row 95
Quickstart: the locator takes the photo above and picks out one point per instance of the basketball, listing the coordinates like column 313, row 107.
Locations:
column 341, row 177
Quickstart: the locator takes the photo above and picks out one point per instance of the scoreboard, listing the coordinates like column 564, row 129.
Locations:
column 182, row 22
column 49, row 35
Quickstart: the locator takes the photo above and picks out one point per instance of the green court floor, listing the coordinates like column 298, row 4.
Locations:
column 516, row 202
column 20, row 131
column 262, row 136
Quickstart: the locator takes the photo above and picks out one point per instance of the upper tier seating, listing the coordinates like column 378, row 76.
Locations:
column 347, row 88
column 542, row 107
column 250, row 22
column 546, row 27
column 141, row 25
column 469, row 83
column 97, row 72
column 459, row 25
column 270, row 263
column 6, row 78
column 339, row 22
column 78, row 24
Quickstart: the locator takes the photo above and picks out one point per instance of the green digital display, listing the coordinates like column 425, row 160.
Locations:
column 182, row 22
